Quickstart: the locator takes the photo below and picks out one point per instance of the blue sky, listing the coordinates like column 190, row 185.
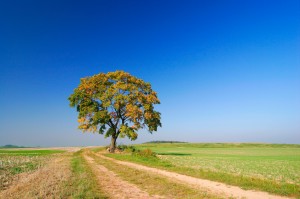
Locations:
column 225, row 71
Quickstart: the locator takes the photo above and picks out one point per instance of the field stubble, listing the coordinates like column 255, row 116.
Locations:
column 11, row 166
column 270, row 163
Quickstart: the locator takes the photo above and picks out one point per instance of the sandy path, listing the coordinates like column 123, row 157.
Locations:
column 115, row 186
column 215, row 187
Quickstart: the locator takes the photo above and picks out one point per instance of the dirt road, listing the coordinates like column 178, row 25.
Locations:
column 115, row 186
column 214, row 187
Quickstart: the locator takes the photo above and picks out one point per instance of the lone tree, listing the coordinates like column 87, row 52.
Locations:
column 116, row 104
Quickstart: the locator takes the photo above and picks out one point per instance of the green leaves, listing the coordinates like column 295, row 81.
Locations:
column 102, row 129
column 116, row 100
column 109, row 132
column 128, row 131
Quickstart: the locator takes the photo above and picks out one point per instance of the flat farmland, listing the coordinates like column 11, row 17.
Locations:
column 173, row 171
column 280, row 164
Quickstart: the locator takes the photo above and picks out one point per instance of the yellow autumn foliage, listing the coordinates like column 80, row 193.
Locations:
column 115, row 103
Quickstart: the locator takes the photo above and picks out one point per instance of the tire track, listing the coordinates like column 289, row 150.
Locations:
column 214, row 187
column 113, row 185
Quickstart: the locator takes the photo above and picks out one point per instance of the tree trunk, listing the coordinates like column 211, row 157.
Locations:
column 112, row 144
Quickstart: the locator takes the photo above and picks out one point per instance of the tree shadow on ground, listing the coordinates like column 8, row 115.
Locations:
column 177, row 154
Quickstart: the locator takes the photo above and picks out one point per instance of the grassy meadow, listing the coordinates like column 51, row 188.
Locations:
column 274, row 168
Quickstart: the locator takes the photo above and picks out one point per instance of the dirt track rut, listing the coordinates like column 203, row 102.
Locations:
column 214, row 187
column 115, row 186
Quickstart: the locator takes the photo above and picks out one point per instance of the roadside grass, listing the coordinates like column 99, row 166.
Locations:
column 83, row 183
column 153, row 184
column 272, row 169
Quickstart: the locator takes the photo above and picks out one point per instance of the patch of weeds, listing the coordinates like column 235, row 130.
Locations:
column 145, row 153
column 16, row 170
column 136, row 152
column 24, row 168
column 126, row 148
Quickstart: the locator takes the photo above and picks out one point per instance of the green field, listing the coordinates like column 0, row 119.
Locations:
column 268, row 167
column 25, row 152
column 280, row 164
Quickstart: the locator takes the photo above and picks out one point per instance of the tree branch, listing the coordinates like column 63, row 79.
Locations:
column 112, row 124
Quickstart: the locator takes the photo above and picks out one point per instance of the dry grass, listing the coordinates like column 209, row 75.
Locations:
column 11, row 166
column 64, row 175
column 47, row 182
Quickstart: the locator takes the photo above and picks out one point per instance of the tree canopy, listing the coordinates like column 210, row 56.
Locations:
column 115, row 104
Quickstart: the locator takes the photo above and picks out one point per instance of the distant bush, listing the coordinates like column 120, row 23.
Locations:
column 136, row 152
column 126, row 148
column 144, row 153
column 11, row 146
column 122, row 147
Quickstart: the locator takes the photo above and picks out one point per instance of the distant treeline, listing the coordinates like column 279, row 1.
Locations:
column 161, row 141
column 12, row 146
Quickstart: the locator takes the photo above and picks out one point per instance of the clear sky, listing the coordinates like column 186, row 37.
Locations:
column 225, row 71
